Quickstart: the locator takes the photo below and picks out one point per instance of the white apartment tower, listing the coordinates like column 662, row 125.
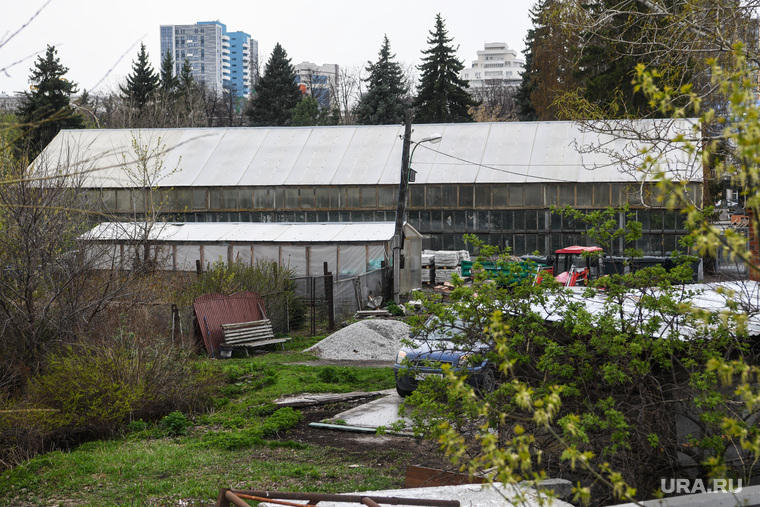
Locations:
column 496, row 65
column 319, row 81
column 223, row 60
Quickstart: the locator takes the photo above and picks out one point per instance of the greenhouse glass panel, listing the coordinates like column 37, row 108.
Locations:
column 245, row 200
column 601, row 193
column 483, row 196
column 306, row 195
column 337, row 197
column 413, row 217
column 323, row 216
column 322, row 195
column 656, row 220
column 584, row 195
column 617, row 195
column 482, row 221
column 266, row 253
column 499, row 195
column 449, row 242
column 496, row 220
column 519, row 245
column 449, row 196
column 109, row 199
column 229, row 198
column 352, row 261
column 531, row 219
column 519, row 220
column 566, row 194
column 532, row 194
column 508, row 220
column 138, row 200
column 279, row 198
column 186, row 256
column 433, row 196
column 369, row 197
column 215, row 199
column 669, row 222
column 214, row 253
column 460, row 221
column 377, row 255
column 531, row 243
column 199, row 199
column 386, row 198
column 424, row 221
column 242, row 253
column 436, row 221
column 353, row 197
column 517, row 195
column 261, row 198
column 448, row 220
column 293, row 258
column 291, row 198
column 318, row 255
column 471, row 218
column 416, row 195
column 466, row 197
column 670, row 243
column 182, row 199
column 551, row 194
column 542, row 220
column 123, row 200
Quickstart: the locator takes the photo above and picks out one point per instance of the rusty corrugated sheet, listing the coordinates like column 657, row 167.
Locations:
column 213, row 310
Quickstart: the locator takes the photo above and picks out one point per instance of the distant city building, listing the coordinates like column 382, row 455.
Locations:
column 223, row 60
column 319, row 81
column 496, row 65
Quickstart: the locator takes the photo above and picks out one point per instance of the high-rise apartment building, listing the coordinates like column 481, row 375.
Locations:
column 496, row 65
column 319, row 81
column 223, row 60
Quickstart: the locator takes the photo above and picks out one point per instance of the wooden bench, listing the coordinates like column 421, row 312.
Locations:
column 250, row 334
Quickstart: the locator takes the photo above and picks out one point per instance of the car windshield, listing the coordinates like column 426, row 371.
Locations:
column 441, row 331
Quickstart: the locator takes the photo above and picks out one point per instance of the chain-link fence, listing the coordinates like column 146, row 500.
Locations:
column 349, row 295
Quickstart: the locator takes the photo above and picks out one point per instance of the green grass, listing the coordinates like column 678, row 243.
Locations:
column 241, row 444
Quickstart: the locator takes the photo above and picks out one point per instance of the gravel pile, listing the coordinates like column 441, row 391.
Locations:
column 366, row 340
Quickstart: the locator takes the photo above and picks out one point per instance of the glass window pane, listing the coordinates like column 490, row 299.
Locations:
column 261, row 198
column 291, row 198
column 567, row 195
column 516, row 195
column 229, row 198
column 519, row 220
column 482, row 196
column 245, row 198
column 337, row 198
column 199, row 199
column 182, row 199
column 465, row 197
column 279, row 199
column 601, row 193
column 109, row 199
column 532, row 195
column 306, row 195
column 584, row 195
column 353, row 197
column 386, row 197
column 416, row 194
column 551, row 192
column 436, row 221
column 433, row 197
column 369, row 197
column 449, row 195
column 123, row 200
column 499, row 195
column 322, row 195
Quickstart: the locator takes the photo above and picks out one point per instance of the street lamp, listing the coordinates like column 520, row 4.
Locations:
column 406, row 172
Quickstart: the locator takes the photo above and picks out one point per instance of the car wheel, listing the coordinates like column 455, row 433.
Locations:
column 487, row 382
column 403, row 392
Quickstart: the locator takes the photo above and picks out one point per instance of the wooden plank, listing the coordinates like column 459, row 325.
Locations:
column 423, row 477
column 255, row 344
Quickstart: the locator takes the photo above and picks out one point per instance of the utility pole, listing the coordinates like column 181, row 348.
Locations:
column 401, row 207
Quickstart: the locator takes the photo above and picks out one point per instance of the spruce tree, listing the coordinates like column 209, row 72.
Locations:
column 47, row 108
column 276, row 94
column 169, row 82
column 142, row 83
column 384, row 102
column 442, row 95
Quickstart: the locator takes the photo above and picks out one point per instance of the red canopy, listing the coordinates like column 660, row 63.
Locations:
column 577, row 250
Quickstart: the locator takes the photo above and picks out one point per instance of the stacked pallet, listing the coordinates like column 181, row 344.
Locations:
column 428, row 266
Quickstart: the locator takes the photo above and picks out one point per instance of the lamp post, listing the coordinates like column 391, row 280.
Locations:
column 406, row 167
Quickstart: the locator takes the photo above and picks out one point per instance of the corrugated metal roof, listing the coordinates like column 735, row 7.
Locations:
column 246, row 232
column 213, row 310
column 513, row 152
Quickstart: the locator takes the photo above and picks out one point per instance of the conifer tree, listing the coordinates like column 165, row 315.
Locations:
column 142, row 83
column 384, row 102
column 442, row 95
column 47, row 108
column 276, row 94
column 169, row 82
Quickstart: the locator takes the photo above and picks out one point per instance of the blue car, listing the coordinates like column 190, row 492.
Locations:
column 435, row 348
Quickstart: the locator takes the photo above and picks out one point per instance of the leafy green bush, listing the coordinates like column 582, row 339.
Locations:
column 337, row 375
column 395, row 309
column 94, row 391
column 176, row 424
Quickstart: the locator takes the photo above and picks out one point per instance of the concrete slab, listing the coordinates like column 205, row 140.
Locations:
column 383, row 411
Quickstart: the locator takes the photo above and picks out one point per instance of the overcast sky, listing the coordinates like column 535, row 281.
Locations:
column 98, row 39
